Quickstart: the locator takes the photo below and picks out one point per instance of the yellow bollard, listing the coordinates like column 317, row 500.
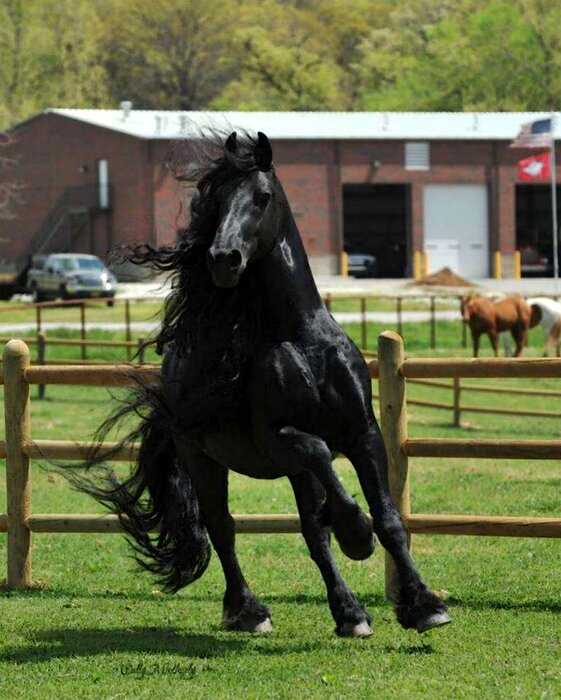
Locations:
column 344, row 264
column 517, row 265
column 498, row 266
column 424, row 263
column 417, row 255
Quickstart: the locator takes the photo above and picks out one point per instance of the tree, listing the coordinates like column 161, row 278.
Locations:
column 10, row 189
column 299, row 55
column 48, row 57
column 468, row 56
column 168, row 54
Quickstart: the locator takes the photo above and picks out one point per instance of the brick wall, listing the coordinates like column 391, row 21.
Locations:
column 149, row 205
column 56, row 153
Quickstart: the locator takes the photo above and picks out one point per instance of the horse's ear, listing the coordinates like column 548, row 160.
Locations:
column 263, row 152
column 231, row 144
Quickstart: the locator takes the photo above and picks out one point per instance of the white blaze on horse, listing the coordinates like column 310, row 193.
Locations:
column 546, row 313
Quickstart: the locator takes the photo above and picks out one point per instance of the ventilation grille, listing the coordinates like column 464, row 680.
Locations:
column 417, row 155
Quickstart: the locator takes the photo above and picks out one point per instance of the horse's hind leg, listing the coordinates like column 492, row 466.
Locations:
column 416, row 606
column 242, row 610
column 520, row 336
column 494, row 338
column 350, row 617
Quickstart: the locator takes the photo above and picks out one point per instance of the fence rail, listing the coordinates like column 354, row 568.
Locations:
column 391, row 368
column 400, row 300
column 458, row 389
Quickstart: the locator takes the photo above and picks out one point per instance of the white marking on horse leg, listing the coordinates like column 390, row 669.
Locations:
column 264, row 627
column 363, row 629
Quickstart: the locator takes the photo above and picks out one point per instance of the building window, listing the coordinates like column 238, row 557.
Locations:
column 417, row 155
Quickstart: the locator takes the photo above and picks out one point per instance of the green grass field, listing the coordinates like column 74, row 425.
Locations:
column 96, row 627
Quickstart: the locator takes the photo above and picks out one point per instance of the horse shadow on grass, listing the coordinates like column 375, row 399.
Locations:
column 537, row 605
column 317, row 599
column 61, row 643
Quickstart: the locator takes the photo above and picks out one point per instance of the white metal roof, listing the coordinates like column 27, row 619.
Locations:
column 162, row 124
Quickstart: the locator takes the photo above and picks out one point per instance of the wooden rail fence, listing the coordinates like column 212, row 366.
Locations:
column 458, row 389
column 400, row 300
column 393, row 372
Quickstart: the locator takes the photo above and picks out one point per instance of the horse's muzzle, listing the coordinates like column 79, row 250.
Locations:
column 225, row 267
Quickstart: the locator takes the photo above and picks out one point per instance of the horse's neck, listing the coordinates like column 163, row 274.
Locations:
column 290, row 296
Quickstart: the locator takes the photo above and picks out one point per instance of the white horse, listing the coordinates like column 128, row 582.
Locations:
column 546, row 313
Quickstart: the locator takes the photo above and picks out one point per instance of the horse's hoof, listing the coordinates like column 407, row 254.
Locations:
column 438, row 619
column 349, row 629
column 239, row 624
column 264, row 627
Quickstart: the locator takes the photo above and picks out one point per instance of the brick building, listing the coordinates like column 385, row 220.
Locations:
column 381, row 183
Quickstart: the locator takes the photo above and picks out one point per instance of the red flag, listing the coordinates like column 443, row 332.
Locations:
column 535, row 168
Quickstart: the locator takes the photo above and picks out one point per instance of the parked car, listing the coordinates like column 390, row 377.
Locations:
column 69, row 276
column 533, row 263
column 362, row 265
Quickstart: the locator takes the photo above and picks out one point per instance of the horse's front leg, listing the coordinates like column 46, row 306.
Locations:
column 323, row 501
column 243, row 612
column 350, row 617
column 475, row 335
column 416, row 606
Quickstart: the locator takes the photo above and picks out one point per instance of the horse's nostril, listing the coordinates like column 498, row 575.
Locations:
column 234, row 260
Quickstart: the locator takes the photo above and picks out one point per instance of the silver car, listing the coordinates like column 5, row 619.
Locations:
column 70, row 276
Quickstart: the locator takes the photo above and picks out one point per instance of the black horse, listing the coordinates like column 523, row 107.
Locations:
column 257, row 377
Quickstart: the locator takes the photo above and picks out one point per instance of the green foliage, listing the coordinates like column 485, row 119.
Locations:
column 279, row 55
column 168, row 54
column 465, row 56
column 48, row 57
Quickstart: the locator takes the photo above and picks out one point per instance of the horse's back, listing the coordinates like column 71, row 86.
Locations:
column 512, row 311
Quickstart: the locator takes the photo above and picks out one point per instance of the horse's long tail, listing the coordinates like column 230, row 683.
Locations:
column 158, row 495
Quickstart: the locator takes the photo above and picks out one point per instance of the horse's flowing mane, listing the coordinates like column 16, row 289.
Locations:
column 223, row 324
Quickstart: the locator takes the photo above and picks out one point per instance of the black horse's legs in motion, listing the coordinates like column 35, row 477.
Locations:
column 242, row 610
column 416, row 607
column 322, row 500
column 350, row 525
column 351, row 619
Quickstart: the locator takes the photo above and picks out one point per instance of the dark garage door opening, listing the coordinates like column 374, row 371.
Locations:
column 376, row 222
column 534, row 229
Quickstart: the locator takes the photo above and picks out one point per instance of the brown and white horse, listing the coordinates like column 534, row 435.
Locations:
column 485, row 316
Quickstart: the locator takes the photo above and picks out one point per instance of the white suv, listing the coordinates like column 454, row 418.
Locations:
column 70, row 276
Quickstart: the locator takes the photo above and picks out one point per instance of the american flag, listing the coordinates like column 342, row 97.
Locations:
column 536, row 134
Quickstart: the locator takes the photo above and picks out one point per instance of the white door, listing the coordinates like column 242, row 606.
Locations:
column 456, row 228
column 444, row 252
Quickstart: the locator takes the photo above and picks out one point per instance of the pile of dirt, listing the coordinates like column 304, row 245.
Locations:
column 443, row 278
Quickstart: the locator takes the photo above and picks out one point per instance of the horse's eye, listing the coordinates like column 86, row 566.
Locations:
column 261, row 199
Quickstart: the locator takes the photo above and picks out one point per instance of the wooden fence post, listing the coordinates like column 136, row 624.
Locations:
column 432, row 323
column 37, row 319
column 128, row 327
column 140, row 351
column 399, row 317
column 328, row 302
column 18, row 483
column 83, row 327
column 393, row 418
column 41, row 354
column 457, row 407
